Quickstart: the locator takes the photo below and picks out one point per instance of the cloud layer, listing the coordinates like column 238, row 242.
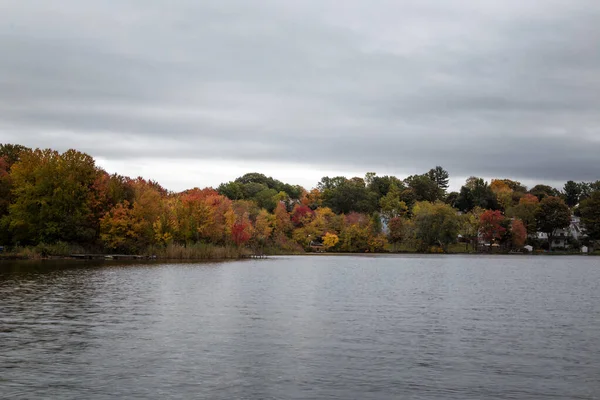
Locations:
column 488, row 88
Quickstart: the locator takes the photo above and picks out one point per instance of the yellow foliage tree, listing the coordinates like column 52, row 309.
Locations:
column 330, row 240
column 263, row 227
column 161, row 236
column 503, row 193
column 377, row 243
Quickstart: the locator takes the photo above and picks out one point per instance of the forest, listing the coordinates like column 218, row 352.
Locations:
column 54, row 203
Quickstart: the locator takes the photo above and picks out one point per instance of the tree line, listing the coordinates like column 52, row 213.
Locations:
column 48, row 197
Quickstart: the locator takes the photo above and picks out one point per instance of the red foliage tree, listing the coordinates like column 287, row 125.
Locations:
column 240, row 233
column 302, row 215
column 490, row 225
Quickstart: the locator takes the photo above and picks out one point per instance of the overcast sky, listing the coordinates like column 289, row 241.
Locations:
column 193, row 93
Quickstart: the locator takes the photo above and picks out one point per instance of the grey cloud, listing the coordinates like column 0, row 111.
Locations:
column 507, row 89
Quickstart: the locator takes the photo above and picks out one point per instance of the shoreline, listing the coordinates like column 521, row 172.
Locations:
column 133, row 258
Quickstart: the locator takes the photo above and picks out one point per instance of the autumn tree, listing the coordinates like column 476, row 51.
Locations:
column 330, row 240
column 312, row 199
column 219, row 234
column 132, row 227
column 355, row 237
column 52, row 195
column 195, row 213
column 490, row 225
column 302, row 215
column 325, row 220
column 9, row 155
column 263, row 228
column 552, row 214
column 107, row 191
column 504, row 194
column 12, row 153
column 469, row 227
column 5, row 187
column 515, row 186
column 242, row 229
column 435, row 224
column 283, row 224
column 396, row 231
column 321, row 221
column 519, row 233
column 149, row 206
column 241, row 232
column 307, row 234
column 46, row 196
column 335, row 222
column 120, row 229
column 377, row 243
column 5, row 200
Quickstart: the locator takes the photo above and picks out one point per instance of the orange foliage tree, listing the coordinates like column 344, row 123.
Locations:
column 519, row 233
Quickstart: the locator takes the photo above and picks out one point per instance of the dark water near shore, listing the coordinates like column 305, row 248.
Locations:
column 409, row 327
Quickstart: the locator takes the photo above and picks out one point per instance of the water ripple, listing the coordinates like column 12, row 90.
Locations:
column 303, row 328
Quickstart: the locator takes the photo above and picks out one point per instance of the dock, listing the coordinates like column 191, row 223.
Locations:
column 255, row 256
column 107, row 257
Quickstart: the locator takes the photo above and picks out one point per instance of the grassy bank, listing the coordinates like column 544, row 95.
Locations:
column 41, row 251
column 201, row 251
column 197, row 251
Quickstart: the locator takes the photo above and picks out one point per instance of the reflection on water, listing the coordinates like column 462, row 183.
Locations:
column 303, row 328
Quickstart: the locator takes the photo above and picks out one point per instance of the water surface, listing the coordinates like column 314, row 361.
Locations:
column 320, row 327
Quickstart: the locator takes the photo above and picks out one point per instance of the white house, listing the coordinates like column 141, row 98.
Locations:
column 561, row 236
column 577, row 231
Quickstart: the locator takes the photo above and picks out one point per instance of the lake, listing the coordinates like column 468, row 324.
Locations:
column 311, row 327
